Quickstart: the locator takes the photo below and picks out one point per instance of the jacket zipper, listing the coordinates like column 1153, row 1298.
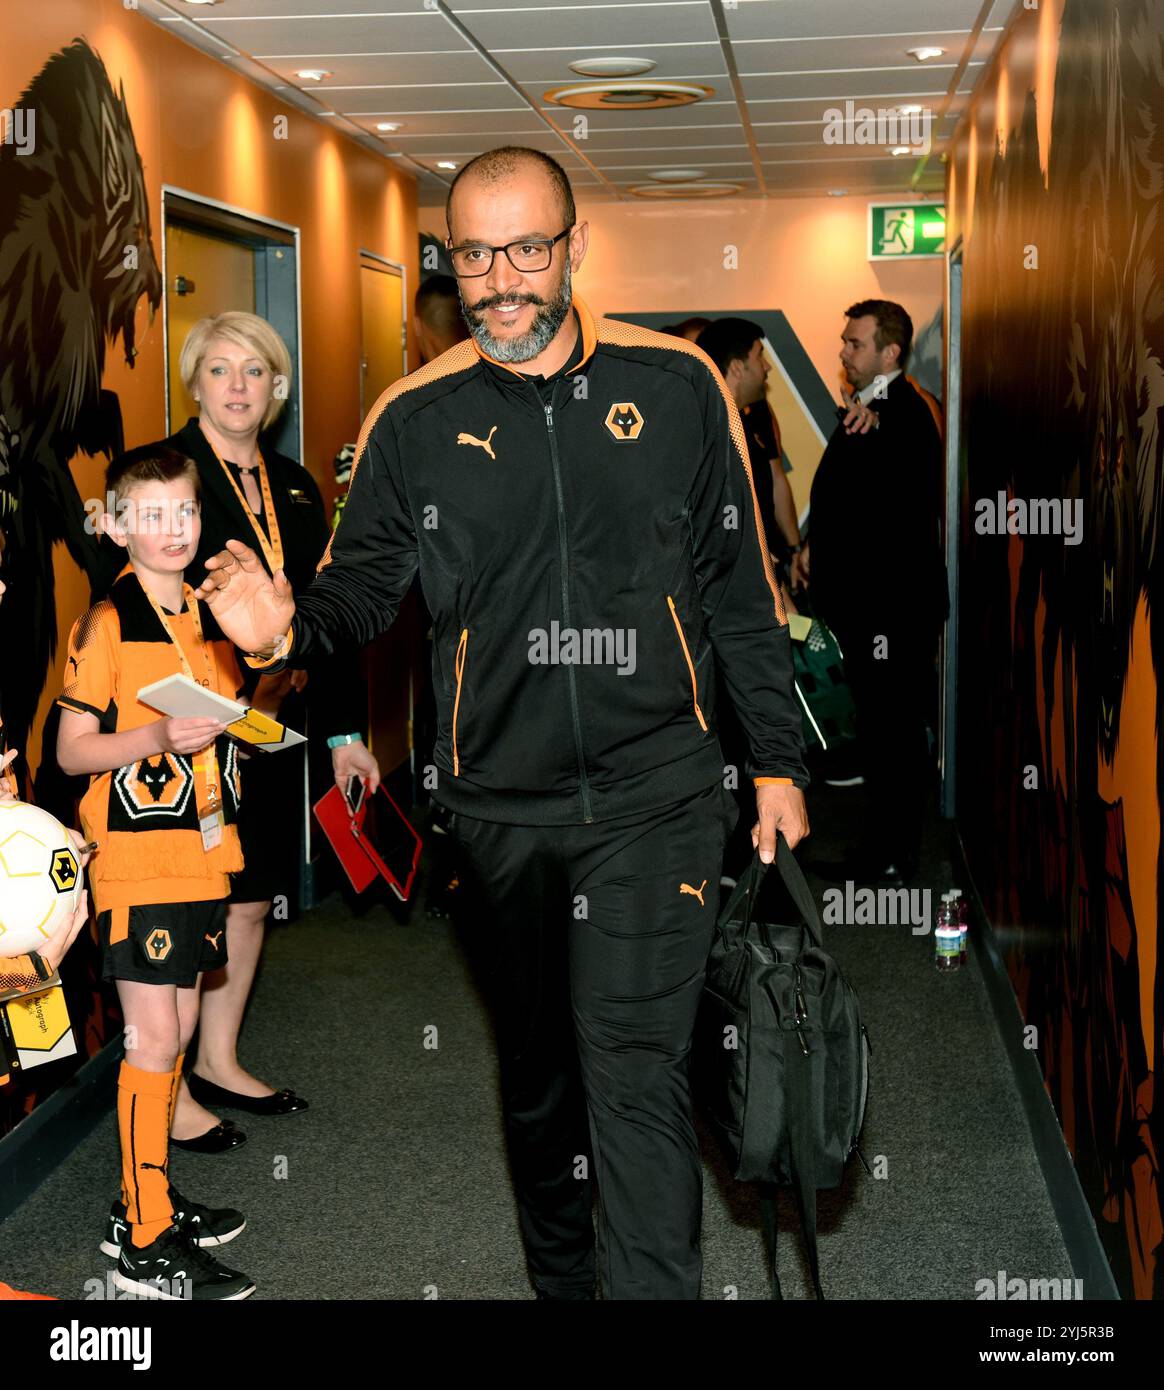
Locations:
column 460, row 670
column 690, row 666
column 587, row 813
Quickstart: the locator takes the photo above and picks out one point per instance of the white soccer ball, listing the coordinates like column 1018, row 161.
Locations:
column 40, row 877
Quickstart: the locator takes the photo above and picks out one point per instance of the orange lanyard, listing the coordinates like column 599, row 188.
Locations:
column 273, row 548
column 209, row 765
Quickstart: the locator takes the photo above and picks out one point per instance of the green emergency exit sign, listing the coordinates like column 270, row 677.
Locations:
column 906, row 231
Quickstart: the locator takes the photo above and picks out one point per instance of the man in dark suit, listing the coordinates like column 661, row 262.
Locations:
column 878, row 579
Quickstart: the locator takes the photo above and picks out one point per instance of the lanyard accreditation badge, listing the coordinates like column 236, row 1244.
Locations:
column 210, row 816
column 273, row 548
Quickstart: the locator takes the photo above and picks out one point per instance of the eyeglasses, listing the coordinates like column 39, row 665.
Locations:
column 526, row 256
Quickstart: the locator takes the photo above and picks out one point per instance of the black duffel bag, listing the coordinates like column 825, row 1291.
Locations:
column 781, row 1057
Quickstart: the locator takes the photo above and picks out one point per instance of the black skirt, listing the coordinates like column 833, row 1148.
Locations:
column 270, row 819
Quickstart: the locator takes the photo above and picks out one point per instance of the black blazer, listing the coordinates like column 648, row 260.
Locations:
column 875, row 523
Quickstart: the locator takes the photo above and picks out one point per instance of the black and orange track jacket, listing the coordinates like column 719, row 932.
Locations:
column 613, row 501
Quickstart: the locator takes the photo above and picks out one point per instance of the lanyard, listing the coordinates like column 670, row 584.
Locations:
column 209, row 765
column 273, row 548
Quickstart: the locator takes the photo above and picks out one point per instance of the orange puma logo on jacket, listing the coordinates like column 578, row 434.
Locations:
column 485, row 444
column 695, row 892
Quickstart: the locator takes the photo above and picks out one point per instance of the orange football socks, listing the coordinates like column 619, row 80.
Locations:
column 144, row 1100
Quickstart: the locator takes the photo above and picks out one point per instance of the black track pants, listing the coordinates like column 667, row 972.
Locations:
column 598, row 940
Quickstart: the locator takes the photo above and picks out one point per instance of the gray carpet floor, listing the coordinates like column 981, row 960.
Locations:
column 394, row 1184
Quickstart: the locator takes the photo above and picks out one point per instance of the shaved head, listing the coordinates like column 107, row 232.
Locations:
column 513, row 162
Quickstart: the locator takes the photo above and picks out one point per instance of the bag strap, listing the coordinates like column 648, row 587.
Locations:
column 768, row 1222
column 798, row 889
column 796, row 1090
column 748, row 887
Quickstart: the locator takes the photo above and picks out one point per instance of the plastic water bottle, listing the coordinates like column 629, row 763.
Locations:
column 961, row 915
column 947, row 938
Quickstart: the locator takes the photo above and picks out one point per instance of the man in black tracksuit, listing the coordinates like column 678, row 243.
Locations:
column 576, row 496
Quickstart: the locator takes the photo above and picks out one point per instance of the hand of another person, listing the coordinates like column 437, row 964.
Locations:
column 79, row 843
column 187, row 735
column 6, row 794
column 859, row 419
column 298, row 680
column 798, row 578
column 271, row 690
column 56, row 947
column 354, row 760
column 781, row 808
column 253, row 609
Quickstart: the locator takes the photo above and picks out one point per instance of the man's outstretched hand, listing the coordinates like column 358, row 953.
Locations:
column 253, row 610
column 780, row 808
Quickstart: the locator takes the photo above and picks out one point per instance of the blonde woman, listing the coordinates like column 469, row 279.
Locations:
column 237, row 370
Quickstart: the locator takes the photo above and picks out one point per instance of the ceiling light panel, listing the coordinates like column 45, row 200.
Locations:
column 550, row 67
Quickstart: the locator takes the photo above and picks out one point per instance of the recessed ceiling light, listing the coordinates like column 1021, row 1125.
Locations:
column 203, row 2
column 628, row 95
column 838, row 192
column 445, row 164
column 902, row 149
column 686, row 190
column 389, row 125
column 921, row 54
column 313, row 74
column 678, row 175
column 611, row 67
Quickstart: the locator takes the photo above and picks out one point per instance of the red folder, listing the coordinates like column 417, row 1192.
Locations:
column 352, row 838
column 339, row 825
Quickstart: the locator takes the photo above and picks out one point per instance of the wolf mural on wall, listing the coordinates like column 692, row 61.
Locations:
column 75, row 259
column 1065, row 398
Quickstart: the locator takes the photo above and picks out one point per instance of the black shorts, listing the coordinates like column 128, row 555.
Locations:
column 163, row 944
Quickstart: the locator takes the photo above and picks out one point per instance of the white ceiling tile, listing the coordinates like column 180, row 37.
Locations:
column 417, row 30
column 875, row 84
column 796, row 19
column 611, row 26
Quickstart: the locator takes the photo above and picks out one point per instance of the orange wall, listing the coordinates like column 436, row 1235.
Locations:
column 203, row 128
column 804, row 256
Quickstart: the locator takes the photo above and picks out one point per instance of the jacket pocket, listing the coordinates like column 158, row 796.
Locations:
column 459, row 668
column 690, row 664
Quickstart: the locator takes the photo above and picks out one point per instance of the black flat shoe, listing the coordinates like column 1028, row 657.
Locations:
column 218, row 1140
column 207, row 1093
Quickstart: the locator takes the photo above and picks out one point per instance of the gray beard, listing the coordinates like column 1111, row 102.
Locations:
column 548, row 319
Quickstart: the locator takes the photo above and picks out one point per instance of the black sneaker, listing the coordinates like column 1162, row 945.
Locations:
column 173, row 1268
column 206, row 1226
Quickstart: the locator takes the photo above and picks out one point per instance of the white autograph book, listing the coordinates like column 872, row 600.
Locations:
column 183, row 698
